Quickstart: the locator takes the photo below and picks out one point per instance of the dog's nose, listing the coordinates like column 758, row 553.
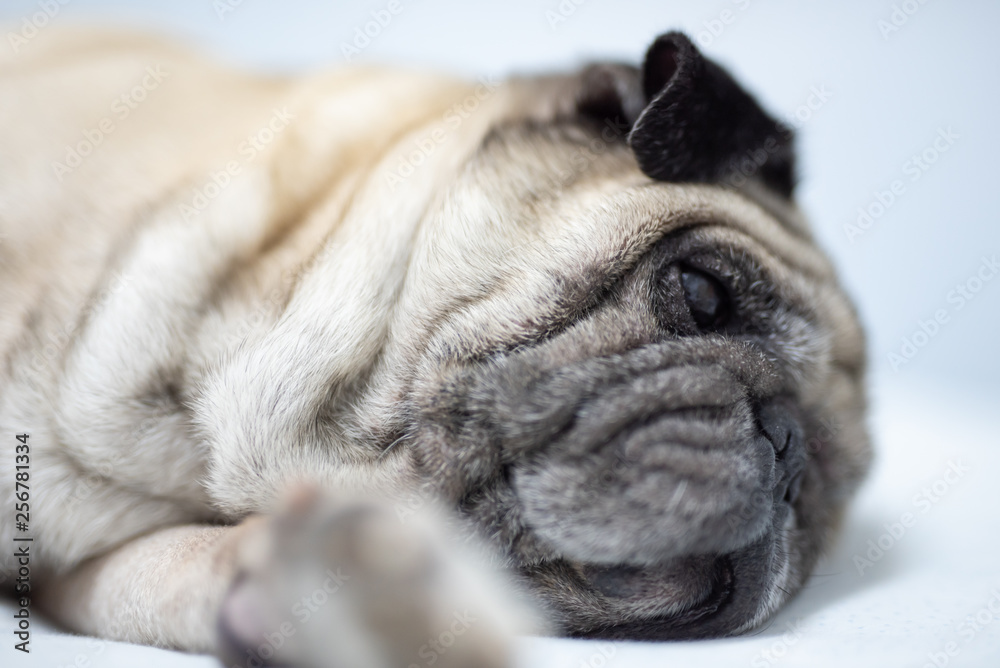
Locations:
column 780, row 423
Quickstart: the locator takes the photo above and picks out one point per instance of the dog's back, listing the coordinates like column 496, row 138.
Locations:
column 111, row 142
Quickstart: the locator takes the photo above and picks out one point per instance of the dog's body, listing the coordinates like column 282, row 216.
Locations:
column 373, row 280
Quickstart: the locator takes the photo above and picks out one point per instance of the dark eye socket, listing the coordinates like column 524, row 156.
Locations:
column 706, row 299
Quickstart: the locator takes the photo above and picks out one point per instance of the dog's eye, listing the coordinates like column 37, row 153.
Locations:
column 705, row 297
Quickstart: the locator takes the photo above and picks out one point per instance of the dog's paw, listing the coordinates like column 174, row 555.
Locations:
column 351, row 584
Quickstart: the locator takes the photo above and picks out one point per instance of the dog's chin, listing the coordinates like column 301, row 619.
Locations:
column 702, row 596
column 663, row 615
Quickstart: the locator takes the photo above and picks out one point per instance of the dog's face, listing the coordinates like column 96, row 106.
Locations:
column 643, row 382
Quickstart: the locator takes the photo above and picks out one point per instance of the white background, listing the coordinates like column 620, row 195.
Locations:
column 891, row 94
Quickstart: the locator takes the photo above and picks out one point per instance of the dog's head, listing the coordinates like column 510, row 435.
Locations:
column 636, row 372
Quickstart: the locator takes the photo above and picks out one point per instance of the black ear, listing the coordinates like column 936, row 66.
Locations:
column 700, row 125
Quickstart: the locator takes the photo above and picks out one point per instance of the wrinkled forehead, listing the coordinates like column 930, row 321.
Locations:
column 557, row 196
column 540, row 221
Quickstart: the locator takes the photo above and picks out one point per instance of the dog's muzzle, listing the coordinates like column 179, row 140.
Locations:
column 662, row 476
column 651, row 455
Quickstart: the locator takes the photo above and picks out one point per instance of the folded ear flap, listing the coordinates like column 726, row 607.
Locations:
column 700, row 125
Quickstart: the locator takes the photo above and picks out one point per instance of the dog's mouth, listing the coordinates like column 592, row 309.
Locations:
column 721, row 592
column 644, row 587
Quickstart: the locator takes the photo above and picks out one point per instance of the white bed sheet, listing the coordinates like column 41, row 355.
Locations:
column 925, row 601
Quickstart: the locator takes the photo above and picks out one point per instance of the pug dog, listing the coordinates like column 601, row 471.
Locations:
column 373, row 367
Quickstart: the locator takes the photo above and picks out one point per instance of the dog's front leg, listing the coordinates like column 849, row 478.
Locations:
column 320, row 584
column 163, row 589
